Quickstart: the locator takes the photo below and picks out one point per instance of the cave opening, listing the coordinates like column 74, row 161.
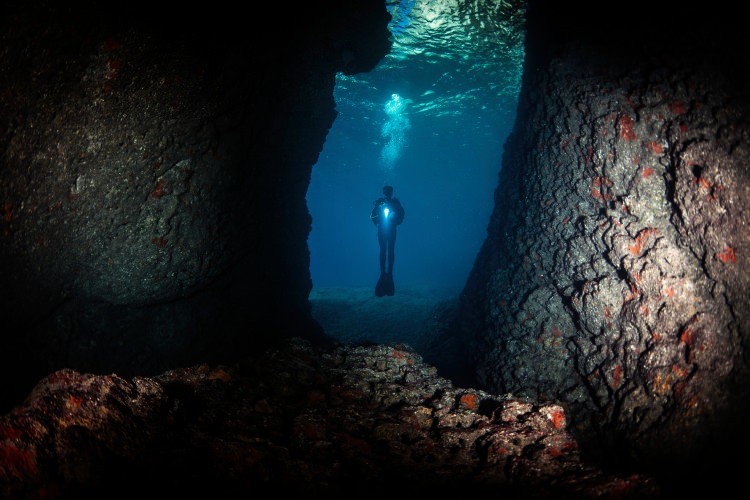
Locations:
column 429, row 120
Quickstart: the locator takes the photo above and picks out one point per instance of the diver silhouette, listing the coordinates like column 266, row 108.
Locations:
column 387, row 215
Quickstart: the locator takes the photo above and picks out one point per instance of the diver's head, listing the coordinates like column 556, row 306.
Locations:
column 388, row 191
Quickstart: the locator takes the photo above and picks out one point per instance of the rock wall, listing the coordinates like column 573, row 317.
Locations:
column 154, row 163
column 614, row 275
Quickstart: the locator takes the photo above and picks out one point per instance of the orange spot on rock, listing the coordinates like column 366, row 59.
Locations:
column 655, row 147
column 727, row 255
column 640, row 241
column 687, row 336
column 558, row 419
column 158, row 191
column 598, row 187
column 669, row 292
column 469, row 401
column 74, row 402
column 679, row 371
column 677, row 107
column 626, row 129
column 647, row 172
column 617, row 375
column 398, row 354
column 556, row 332
column 703, row 183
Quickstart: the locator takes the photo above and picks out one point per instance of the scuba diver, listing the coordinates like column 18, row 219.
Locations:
column 387, row 214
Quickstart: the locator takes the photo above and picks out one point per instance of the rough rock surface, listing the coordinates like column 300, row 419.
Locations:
column 154, row 164
column 614, row 275
column 152, row 211
column 361, row 421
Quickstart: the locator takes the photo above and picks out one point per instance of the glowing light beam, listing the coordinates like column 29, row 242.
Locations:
column 394, row 131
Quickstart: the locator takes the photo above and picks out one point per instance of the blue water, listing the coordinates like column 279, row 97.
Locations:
column 431, row 121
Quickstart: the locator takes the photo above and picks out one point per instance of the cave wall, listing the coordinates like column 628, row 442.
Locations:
column 154, row 163
column 614, row 276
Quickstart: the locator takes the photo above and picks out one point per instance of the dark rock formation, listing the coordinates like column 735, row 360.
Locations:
column 153, row 171
column 154, row 161
column 613, row 278
column 368, row 422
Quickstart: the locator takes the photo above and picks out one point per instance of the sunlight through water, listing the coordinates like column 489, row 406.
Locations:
column 394, row 130
column 431, row 120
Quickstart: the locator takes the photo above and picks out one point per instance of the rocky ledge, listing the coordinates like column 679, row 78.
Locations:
column 340, row 419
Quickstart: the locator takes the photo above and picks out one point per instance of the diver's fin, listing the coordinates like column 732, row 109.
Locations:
column 381, row 288
column 389, row 287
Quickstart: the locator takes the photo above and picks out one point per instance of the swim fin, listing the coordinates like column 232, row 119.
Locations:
column 389, row 288
column 380, row 288
column 385, row 285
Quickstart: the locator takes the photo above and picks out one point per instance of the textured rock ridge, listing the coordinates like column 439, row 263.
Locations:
column 612, row 278
column 347, row 420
